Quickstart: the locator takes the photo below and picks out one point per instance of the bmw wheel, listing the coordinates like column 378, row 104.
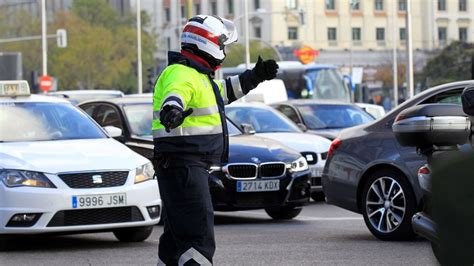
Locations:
column 133, row 234
column 388, row 204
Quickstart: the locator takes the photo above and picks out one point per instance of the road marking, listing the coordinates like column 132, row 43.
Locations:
column 310, row 218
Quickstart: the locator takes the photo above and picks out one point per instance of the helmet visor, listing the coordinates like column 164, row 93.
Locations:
column 229, row 31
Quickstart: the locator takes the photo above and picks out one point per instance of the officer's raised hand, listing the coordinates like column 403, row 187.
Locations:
column 172, row 116
column 263, row 70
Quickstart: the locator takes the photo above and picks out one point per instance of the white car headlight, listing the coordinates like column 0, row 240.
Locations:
column 299, row 165
column 21, row 178
column 144, row 173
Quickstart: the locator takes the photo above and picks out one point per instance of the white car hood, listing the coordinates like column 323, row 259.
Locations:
column 69, row 156
column 300, row 141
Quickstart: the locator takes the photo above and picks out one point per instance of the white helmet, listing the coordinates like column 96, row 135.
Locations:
column 208, row 35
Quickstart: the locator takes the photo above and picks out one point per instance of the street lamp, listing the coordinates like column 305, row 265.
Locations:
column 139, row 48
column 395, row 63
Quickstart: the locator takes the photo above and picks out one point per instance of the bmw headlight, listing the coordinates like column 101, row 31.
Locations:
column 299, row 165
column 144, row 173
column 21, row 178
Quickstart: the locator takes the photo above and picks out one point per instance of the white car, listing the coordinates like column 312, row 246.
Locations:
column 60, row 172
column 270, row 123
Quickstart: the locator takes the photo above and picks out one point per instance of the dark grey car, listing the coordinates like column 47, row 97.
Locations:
column 368, row 172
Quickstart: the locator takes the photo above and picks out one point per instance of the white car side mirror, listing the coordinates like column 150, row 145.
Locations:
column 113, row 132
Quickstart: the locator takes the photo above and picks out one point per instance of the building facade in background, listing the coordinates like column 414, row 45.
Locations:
column 358, row 29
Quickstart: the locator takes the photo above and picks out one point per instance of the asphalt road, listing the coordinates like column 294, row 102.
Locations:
column 320, row 235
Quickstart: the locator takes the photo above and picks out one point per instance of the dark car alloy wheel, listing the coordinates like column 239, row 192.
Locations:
column 388, row 205
column 133, row 234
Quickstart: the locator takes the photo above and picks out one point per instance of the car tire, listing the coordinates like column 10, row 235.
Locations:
column 318, row 196
column 133, row 234
column 283, row 213
column 388, row 204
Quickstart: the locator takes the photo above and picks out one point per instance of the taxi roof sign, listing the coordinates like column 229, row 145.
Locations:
column 12, row 88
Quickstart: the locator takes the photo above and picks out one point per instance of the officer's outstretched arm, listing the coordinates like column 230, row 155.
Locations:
column 236, row 87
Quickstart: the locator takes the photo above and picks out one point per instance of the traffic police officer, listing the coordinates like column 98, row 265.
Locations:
column 190, row 134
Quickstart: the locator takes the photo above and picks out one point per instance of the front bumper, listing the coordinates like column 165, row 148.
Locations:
column 294, row 191
column 52, row 204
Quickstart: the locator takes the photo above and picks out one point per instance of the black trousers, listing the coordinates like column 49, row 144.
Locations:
column 188, row 237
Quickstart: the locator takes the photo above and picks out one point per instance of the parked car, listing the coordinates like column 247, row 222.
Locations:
column 78, row 96
column 377, row 111
column 62, row 173
column 437, row 131
column 267, row 122
column 324, row 118
column 260, row 174
column 364, row 159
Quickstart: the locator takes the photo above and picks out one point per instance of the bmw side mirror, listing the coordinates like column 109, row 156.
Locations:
column 247, row 129
column 302, row 127
column 113, row 132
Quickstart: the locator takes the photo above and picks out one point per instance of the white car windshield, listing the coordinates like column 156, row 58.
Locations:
column 45, row 121
column 263, row 120
column 139, row 117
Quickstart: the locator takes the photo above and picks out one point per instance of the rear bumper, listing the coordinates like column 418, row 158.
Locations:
column 424, row 226
column 294, row 191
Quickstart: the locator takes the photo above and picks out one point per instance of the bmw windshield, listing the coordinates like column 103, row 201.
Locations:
column 45, row 121
column 262, row 120
column 335, row 116
column 327, row 84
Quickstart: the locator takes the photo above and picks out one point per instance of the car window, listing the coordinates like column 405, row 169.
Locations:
column 107, row 115
column 139, row 117
column 262, row 119
column 289, row 112
column 89, row 109
column 329, row 116
column 45, row 121
column 451, row 96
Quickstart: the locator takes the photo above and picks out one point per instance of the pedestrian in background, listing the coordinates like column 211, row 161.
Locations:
column 190, row 134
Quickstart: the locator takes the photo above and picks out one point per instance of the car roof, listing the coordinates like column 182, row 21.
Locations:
column 33, row 98
column 135, row 99
column 314, row 101
column 82, row 92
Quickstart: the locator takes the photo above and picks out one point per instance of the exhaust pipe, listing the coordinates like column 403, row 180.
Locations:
column 425, row 227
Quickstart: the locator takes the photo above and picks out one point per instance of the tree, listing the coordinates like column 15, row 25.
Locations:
column 236, row 53
column 21, row 24
column 101, row 49
column 453, row 63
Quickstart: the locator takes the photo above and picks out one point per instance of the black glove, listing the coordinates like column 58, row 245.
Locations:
column 263, row 70
column 172, row 116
